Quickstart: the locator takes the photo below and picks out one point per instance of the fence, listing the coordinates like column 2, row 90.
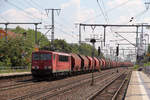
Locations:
column 8, row 69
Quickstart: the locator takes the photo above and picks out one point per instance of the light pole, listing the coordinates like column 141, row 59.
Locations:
column 93, row 42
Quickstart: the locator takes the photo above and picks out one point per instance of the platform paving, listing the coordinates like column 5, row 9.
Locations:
column 139, row 87
column 14, row 74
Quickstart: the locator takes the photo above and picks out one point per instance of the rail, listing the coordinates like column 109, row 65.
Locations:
column 105, row 86
column 122, row 84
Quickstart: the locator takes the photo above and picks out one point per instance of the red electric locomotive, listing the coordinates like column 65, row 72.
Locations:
column 46, row 63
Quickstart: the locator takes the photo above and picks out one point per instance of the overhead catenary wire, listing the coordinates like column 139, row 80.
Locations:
column 109, row 10
column 72, row 35
column 60, row 29
column 137, row 15
column 106, row 18
column 33, row 2
column 37, row 5
column 102, row 11
column 25, row 12
column 4, row 18
column 105, row 10
column 134, row 17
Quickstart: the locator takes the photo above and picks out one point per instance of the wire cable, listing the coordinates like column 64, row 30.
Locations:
column 25, row 12
column 105, row 10
column 102, row 11
column 36, row 4
column 60, row 29
column 109, row 10
column 61, row 25
column 4, row 18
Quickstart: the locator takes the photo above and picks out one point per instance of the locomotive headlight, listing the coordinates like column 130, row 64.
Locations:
column 45, row 67
column 33, row 67
column 49, row 67
column 37, row 67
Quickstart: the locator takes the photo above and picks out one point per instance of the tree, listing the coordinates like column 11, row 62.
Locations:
column 15, row 51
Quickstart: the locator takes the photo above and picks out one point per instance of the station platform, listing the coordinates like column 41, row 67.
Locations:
column 3, row 75
column 139, row 87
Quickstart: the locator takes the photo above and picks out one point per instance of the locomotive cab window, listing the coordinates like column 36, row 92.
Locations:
column 41, row 56
column 36, row 57
column 63, row 58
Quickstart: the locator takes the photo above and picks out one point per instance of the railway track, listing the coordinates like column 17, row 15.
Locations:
column 113, row 90
column 120, row 93
column 53, row 91
column 17, row 85
column 82, row 92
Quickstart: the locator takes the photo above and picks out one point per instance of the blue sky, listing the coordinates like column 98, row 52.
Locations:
column 77, row 11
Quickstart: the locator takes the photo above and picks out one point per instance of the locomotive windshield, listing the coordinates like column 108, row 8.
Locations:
column 41, row 56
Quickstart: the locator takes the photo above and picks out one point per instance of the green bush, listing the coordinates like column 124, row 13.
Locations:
column 136, row 66
column 146, row 64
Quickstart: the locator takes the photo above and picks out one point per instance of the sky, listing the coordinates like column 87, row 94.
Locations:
column 79, row 11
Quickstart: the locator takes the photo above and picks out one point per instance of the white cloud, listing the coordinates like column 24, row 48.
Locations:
column 29, row 14
column 146, row 20
column 122, row 20
column 72, row 6
column 26, row 15
column 71, row 3
column 34, row 12
column 112, row 3
column 130, row 8
column 131, row 3
column 13, row 15
column 85, row 14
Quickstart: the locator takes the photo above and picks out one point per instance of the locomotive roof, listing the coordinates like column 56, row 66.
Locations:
column 46, row 51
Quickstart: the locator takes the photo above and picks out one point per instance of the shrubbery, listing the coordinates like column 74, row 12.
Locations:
column 136, row 66
column 15, row 52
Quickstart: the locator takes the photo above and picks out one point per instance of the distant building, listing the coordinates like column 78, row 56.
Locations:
column 2, row 34
column 9, row 34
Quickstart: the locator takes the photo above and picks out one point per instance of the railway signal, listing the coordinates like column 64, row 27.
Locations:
column 117, row 51
column 99, row 51
column 93, row 42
